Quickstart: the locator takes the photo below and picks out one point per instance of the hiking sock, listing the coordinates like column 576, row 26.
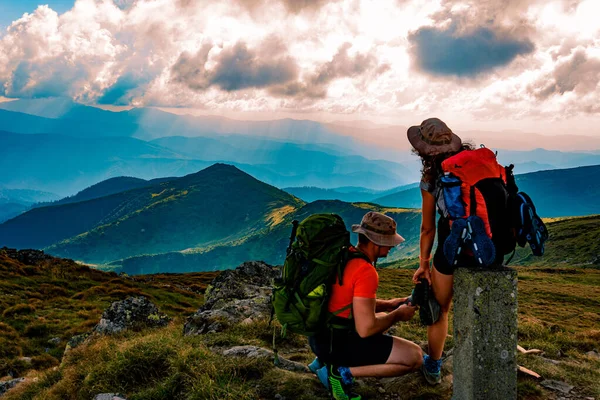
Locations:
column 432, row 366
column 346, row 375
column 315, row 365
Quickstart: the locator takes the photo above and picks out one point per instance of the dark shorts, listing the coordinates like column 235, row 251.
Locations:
column 440, row 262
column 347, row 348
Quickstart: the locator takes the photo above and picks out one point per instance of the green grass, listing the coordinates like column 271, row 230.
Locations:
column 558, row 313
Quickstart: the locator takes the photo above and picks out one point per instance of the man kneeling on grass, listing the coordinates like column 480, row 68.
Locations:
column 355, row 345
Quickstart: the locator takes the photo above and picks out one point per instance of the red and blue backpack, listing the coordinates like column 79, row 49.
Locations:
column 475, row 184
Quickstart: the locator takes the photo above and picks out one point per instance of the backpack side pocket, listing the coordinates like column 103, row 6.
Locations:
column 451, row 195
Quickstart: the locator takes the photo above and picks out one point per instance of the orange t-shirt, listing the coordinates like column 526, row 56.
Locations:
column 360, row 279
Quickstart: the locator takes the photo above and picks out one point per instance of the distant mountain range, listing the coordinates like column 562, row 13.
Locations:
column 556, row 193
column 65, row 164
column 63, row 147
column 221, row 216
column 216, row 217
column 16, row 201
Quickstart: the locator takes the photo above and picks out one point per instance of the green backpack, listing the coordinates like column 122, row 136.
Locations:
column 318, row 252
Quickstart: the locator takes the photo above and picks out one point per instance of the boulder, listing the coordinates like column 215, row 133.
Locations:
column 234, row 296
column 132, row 313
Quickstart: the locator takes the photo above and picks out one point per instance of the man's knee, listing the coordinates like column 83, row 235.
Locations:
column 417, row 357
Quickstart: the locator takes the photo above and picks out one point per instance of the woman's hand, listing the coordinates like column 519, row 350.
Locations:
column 423, row 272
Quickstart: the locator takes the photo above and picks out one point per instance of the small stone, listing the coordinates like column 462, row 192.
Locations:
column 247, row 321
column 279, row 397
column 558, row 386
column 593, row 354
column 55, row 341
column 381, row 390
column 109, row 396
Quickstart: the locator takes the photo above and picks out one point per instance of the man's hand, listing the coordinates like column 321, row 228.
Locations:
column 405, row 312
column 395, row 303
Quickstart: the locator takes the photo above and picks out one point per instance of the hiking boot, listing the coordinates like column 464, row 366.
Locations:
column 429, row 308
column 482, row 246
column 454, row 243
column 338, row 389
column 432, row 370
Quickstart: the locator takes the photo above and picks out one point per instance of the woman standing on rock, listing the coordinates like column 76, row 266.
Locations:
column 434, row 142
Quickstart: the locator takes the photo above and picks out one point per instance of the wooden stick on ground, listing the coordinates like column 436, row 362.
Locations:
column 528, row 372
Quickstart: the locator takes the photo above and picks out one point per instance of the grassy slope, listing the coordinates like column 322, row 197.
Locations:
column 218, row 204
column 270, row 244
column 558, row 313
column 572, row 242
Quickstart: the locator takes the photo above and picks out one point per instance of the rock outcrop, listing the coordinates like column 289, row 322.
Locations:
column 27, row 256
column 132, row 313
column 234, row 296
column 6, row 385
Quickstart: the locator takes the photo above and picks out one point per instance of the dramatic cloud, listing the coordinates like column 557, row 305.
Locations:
column 489, row 59
column 578, row 74
column 341, row 66
column 446, row 52
column 293, row 6
column 236, row 68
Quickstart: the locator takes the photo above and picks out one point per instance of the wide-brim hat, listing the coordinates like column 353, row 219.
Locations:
column 379, row 229
column 433, row 137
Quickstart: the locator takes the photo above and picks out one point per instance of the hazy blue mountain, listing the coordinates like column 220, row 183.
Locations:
column 147, row 123
column 106, row 188
column 10, row 210
column 244, row 149
column 410, row 198
column 15, row 201
column 532, row 166
column 564, row 192
column 556, row 193
column 525, row 160
column 65, row 165
column 296, row 164
column 197, row 210
column 349, row 193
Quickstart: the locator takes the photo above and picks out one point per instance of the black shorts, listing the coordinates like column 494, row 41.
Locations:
column 440, row 262
column 348, row 349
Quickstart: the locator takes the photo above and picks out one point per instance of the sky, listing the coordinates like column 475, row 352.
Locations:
column 531, row 65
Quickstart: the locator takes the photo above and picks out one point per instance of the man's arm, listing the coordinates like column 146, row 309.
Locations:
column 369, row 323
column 388, row 305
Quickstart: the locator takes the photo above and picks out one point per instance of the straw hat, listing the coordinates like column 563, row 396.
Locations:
column 379, row 228
column 433, row 137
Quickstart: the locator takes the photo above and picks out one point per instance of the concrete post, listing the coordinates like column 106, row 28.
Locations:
column 485, row 334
